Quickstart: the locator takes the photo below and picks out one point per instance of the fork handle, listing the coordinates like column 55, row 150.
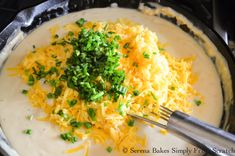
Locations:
column 210, row 139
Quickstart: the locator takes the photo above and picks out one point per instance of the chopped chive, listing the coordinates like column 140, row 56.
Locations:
column 56, row 36
column 135, row 64
column 125, row 55
column 126, row 45
column 97, row 96
column 58, row 91
column 197, row 102
column 50, row 95
column 63, row 114
column 136, row 92
column 70, row 33
column 31, row 80
column 161, row 49
column 24, row 91
column 58, row 63
column 146, row 55
column 92, row 113
column 121, row 109
column 76, row 124
column 109, row 149
column 28, row 131
column 71, row 103
column 53, row 56
column 88, row 125
column 131, row 123
column 80, row 22
column 68, row 137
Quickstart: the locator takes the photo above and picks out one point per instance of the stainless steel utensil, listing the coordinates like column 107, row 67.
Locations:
column 210, row 139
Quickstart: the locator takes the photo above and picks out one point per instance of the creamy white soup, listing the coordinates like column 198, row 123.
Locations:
column 14, row 106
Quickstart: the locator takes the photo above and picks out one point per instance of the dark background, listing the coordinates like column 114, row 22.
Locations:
column 203, row 9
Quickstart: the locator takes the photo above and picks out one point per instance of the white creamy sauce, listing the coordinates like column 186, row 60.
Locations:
column 45, row 141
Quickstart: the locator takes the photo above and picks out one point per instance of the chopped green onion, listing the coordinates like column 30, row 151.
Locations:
column 121, row 109
column 197, row 102
column 109, row 149
column 58, row 91
column 126, row 45
column 28, row 131
column 76, row 124
column 146, row 55
column 125, row 55
column 80, row 22
column 31, row 80
column 88, row 125
column 56, row 36
column 131, row 123
column 24, row 91
column 72, row 102
column 135, row 64
column 161, row 49
column 68, row 137
column 50, row 95
column 97, row 96
column 91, row 112
column 136, row 92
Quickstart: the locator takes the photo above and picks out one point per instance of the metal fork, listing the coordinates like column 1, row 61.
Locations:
column 210, row 139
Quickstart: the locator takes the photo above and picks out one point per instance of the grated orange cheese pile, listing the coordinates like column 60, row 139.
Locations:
column 160, row 80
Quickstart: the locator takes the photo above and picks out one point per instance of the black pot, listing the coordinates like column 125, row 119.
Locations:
column 29, row 19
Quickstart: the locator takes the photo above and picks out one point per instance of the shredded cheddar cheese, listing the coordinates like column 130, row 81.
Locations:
column 153, row 78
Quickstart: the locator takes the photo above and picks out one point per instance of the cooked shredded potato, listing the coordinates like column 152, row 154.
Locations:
column 152, row 78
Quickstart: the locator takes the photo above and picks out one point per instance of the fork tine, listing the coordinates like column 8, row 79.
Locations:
column 149, row 121
column 165, row 113
column 165, row 109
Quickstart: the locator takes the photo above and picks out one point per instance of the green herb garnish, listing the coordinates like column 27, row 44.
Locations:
column 161, row 49
column 197, row 102
column 93, row 64
column 24, row 91
column 28, row 131
column 76, row 124
column 68, row 137
column 136, row 92
column 126, row 45
column 135, row 64
column 88, row 125
column 131, row 123
column 92, row 113
column 121, row 109
column 146, row 55
column 50, row 95
column 109, row 149
column 31, row 80
column 80, row 22
column 56, row 36
column 71, row 103
column 63, row 114
column 58, row 91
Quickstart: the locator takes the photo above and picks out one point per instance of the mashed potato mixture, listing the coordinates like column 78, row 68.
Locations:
column 89, row 79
